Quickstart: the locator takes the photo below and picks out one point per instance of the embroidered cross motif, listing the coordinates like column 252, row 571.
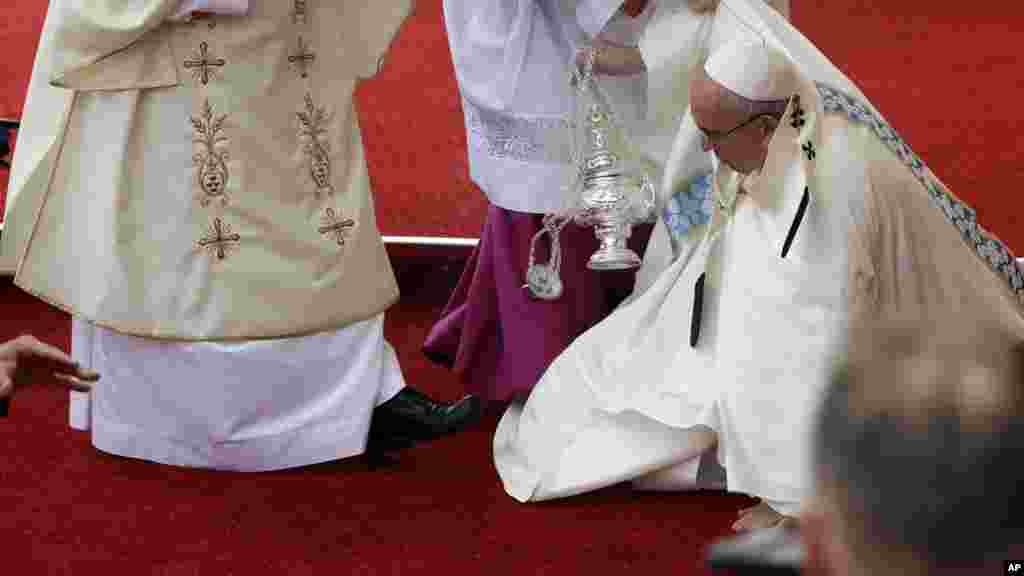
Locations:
column 302, row 58
column 213, row 172
column 202, row 66
column 333, row 226
column 299, row 12
column 219, row 239
column 797, row 118
column 312, row 128
column 808, row 149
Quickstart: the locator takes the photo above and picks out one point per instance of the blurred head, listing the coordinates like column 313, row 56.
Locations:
column 918, row 453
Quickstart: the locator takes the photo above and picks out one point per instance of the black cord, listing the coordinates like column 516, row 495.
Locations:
column 698, row 311
column 796, row 221
column 5, row 139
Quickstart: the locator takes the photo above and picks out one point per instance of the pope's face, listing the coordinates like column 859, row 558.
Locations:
column 736, row 138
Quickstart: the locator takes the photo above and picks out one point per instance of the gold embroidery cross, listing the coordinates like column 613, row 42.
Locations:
column 303, row 58
column 335, row 227
column 202, row 67
column 220, row 239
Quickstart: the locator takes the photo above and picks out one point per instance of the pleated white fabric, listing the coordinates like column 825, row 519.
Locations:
column 251, row 406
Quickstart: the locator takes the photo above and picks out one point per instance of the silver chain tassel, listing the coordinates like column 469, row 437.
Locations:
column 543, row 280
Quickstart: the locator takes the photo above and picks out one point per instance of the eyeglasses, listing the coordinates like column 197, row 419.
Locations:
column 714, row 138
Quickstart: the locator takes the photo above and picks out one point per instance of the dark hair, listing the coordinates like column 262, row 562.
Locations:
column 914, row 462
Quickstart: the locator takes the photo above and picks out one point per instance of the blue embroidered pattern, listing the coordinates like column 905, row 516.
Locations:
column 690, row 206
column 989, row 248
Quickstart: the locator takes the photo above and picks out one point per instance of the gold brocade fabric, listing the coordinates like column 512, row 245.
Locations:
column 205, row 179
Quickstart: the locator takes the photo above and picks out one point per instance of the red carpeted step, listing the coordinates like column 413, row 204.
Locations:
column 70, row 509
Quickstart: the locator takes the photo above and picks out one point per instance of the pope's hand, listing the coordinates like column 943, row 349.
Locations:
column 25, row 360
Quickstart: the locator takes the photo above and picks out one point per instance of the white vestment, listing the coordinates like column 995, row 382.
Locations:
column 246, row 406
column 843, row 222
column 620, row 402
column 512, row 62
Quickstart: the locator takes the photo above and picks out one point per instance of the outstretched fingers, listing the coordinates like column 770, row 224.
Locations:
column 41, row 356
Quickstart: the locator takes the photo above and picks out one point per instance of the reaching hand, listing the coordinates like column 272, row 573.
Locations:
column 25, row 360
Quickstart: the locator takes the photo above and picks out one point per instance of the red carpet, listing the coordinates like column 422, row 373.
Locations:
column 69, row 509
column 944, row 74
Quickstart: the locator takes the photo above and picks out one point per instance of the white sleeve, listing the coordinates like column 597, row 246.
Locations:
column 223, row 7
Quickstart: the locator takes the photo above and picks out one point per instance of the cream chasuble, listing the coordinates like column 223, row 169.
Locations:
column 843, row 224
column 201, row 180
column 223, row 120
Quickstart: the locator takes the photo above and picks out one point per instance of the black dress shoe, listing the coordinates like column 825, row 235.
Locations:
column 5, row 146
column 412, row 416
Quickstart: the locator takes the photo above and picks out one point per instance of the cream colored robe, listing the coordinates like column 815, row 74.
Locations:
column 878, row 235
column 675, row 43
column 202, row 180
